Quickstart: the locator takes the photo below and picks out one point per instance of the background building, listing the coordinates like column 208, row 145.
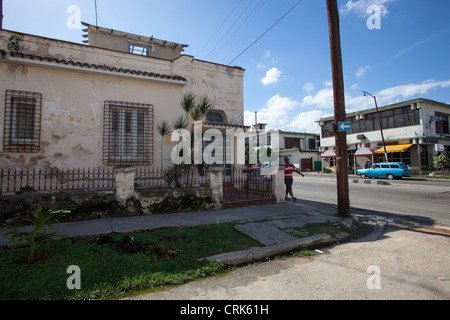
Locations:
column 301, row 148
column 411, row 130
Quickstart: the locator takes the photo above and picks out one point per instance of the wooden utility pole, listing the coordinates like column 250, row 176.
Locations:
column 339, row 109
column 1, row 14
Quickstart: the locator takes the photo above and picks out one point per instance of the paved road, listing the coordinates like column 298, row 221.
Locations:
column 407, row 263
column 430, row 199
column 410, row 261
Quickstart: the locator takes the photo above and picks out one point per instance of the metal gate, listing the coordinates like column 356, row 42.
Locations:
column 245, row 186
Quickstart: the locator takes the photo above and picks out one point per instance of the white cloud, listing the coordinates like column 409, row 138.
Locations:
column 292, row 115
column 355, row 86
column 323, row 99
column 306, row 121
column 407, row 91
column 309, row 87
column 272, row 76
column 360, row 7
column 361, row 71
column 276, row 112
column 261, row 65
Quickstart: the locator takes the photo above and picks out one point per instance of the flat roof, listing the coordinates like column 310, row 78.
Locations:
column 390, row 106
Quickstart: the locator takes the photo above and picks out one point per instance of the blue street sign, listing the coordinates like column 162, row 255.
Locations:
column 344, row 126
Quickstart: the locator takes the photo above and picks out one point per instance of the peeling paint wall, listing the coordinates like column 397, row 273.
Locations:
column 73, row 99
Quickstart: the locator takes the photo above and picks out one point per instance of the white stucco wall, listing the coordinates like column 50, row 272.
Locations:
column 73, row 97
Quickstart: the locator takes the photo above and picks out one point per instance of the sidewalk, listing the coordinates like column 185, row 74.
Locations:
column 261, row 222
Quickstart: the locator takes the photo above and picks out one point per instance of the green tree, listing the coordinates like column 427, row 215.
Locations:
column 442, row 162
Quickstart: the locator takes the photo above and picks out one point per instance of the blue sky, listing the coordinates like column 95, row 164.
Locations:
column 288, row 71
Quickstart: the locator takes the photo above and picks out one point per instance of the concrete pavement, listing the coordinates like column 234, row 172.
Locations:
column 414, row 265
column 406, row 263
column 264, row 223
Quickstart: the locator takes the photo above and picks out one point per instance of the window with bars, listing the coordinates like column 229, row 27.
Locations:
column 128, row 133
column 22, row 129
column 214, row 117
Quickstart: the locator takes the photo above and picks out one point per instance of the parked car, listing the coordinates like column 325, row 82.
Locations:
column 388, row 170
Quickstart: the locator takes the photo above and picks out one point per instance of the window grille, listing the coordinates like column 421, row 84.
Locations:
column 214, row 117
column 128, row 133
column 22, row 129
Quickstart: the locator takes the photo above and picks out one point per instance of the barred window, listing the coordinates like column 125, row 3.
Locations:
column 214, row 117
column 22, row 129
column 128, row 133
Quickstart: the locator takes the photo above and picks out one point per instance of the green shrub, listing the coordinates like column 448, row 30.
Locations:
column 43, row 230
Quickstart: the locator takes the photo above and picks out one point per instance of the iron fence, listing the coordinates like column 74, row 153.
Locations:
column 246, row 184
column 18, row 181
column 179, row 177
column 14, row 181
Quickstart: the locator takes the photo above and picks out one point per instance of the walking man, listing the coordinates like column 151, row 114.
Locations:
column 288, row 179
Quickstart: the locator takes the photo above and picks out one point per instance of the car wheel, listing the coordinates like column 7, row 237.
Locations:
column 390, row 176
column 363, row 175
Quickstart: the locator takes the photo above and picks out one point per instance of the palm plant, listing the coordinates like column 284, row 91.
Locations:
column 180, row 123
column 163, row 129
column 43, row 230
column 201, row 108
column 188, row 104
column 204, row 106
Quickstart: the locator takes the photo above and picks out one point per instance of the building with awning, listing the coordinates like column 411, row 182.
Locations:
column 394, row 148
column 411, row 130
column 329, row 154
column 363, row 152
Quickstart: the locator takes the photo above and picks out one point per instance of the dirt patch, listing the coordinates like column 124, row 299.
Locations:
column 129, row 245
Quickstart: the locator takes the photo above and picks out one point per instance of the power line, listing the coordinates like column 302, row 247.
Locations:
column 226, row 19
column 226, row 34
column 258, row 5
column 289, row 11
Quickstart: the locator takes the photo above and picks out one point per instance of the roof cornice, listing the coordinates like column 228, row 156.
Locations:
column 51, row 62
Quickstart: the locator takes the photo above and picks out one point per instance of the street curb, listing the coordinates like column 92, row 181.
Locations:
column 369, row 182
column 376, row 234
column 259, row 253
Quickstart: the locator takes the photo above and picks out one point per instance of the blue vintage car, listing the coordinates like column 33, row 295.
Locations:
column 388, row 170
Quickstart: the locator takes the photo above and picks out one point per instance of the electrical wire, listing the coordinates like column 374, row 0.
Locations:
column 226, row 19
column 258, row 5
column 226, row 34
column 271, row 27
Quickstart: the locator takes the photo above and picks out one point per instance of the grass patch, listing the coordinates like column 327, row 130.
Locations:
column 106, row 272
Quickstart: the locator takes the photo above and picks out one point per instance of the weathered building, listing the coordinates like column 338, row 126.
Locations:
column 69, row 105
